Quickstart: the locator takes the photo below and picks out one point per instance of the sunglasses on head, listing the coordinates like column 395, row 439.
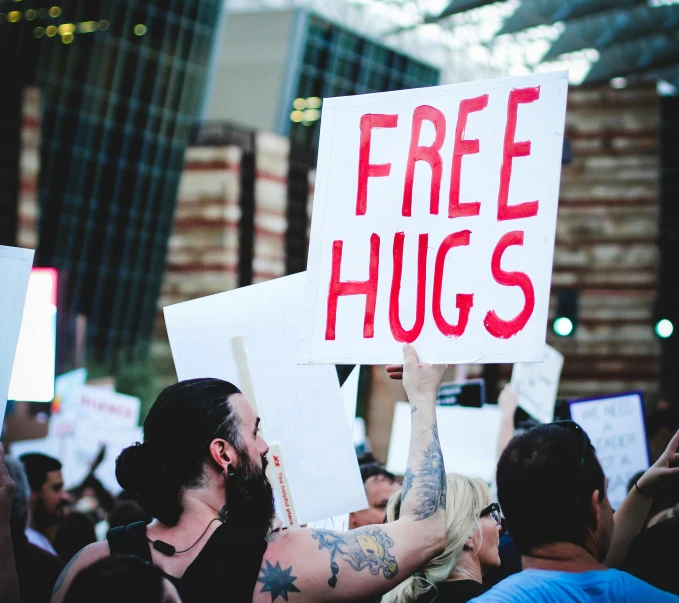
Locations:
column 493, row 509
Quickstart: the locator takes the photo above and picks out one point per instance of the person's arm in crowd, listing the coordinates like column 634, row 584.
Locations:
column 630, row 517
column 508, row 403
column 86, row 557
column 9, row 583
column 324, row 565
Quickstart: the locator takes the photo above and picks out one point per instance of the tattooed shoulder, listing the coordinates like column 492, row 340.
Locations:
column 62, row 577
column 277, row 581
column 367, row 547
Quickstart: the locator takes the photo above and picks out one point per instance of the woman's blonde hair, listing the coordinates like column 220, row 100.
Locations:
column 466, row 498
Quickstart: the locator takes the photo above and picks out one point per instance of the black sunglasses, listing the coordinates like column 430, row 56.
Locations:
column 493, row 509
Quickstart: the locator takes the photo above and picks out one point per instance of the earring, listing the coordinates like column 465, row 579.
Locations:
column 229, row 471
column 468, row 547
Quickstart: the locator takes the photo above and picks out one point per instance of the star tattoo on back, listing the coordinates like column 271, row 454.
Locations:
column 278, row 582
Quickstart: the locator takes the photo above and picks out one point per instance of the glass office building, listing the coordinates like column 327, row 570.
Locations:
column 122, row 84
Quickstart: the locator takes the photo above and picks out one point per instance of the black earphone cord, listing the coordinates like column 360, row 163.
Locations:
column 169, row 550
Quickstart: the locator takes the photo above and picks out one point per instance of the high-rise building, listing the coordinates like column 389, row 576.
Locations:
column 277, row 66
column 122, row 84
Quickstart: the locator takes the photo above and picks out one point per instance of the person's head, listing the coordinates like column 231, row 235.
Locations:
column 379, row 485
column 49, row 500
column 75, row 532
column 19, row 515
column 200, row 435
column 472, row 543
column 125, row 512
column 121, row 578
column 552, row 490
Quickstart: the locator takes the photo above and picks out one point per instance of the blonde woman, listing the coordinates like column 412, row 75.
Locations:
column 473, row 537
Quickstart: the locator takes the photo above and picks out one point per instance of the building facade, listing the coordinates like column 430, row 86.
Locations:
column 122, row 85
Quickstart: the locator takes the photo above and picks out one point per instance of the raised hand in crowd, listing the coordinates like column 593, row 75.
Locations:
column 630, row 517
column 508, row 403
column 9, row 583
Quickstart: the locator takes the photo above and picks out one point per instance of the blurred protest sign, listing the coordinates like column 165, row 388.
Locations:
column 536, row 385
column 35, row 361
column 433, row 222
column 64, row 386
column 92, row 418
column 300, row 406
column 469, row 393
column 15, row 268
column 615, row 426
column 468, row 436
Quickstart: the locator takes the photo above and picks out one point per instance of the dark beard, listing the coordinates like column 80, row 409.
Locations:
column 249, row 497
column 42, row 519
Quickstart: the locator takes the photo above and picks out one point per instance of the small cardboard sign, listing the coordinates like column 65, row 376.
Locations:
column 433, row 223
column 470, row 393
column 468, row 437
column 15, row 271
column 615, row 426
column 536, row 385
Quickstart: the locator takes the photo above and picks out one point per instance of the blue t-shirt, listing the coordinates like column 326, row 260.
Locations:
column 543, row 586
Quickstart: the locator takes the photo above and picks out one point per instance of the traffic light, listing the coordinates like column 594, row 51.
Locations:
column 566, row 321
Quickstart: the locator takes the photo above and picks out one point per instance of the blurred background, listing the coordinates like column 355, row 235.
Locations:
column 158, row 151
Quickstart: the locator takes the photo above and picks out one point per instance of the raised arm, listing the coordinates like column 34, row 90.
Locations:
column 508, row 403
column 323, row 565
column 630, row 517
column 9, row 582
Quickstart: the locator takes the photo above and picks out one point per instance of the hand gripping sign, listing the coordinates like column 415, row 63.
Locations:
column 434, row 223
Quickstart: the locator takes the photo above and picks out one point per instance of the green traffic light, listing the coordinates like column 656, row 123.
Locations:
column 563, row 326
column 664, row 328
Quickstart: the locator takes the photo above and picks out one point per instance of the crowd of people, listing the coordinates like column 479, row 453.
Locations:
column 196, row 518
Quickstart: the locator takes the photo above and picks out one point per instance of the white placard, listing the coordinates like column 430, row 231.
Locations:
column 468, row 437
column 615, row 426
column 350, row 399
column 350, row 396
column 104, row 409
column 322, row 468
column 462, row 266
column 536, row 385
column 15, row 270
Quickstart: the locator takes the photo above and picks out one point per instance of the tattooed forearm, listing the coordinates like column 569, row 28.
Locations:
column 62, row 577
column 407, row 483
column 431, row 480
column 278, row 582
column 363, row 548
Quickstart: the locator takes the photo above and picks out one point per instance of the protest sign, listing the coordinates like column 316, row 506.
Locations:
column 300, row 406
column 615, row 426
column 65, row 385
column 35, row 360
column 468, row 437
column 536, row 385
column 469, row 393
column 107, row 409
column 350, row 399
column 433, row 222
column 15, row 268
column 350, row 396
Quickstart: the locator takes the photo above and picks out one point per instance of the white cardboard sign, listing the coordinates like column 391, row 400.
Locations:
column 293, row 400
column 468, row 437
column 615, row 426
column 434, row 221
column 15, row 270
column 536, row 385
column 106, row 409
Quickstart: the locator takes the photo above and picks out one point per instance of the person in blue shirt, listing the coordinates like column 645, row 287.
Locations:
column 552, row 491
